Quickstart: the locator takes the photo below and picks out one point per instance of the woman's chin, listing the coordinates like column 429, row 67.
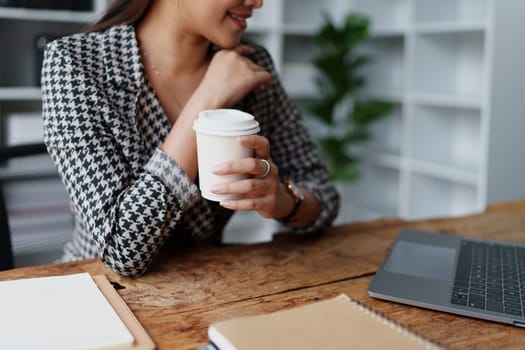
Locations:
column 228, row 44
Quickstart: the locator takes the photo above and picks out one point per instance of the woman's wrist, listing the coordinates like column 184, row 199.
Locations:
column 293, row 192
column 286, row 202
column 204, row 100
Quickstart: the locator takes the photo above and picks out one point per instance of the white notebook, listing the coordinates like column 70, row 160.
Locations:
column 59, row 312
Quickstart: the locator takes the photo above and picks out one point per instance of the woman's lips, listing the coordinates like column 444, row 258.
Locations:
column 239, row 19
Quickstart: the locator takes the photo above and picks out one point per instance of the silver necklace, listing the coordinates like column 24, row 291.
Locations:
column 156, row 71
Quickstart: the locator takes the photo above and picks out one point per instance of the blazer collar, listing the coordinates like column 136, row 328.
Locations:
column 122, row 60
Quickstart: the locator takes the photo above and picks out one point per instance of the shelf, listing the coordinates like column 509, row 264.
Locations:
column 39, row 215
column 47, row 15
column 299, row 49
column 377, row 189
column 449, row 27
column 393, row 96
column 385, row 32
column 449, row 64
column 431, row 197
column 37, row 202
column 23, row 53
column 31, row 167
column 299, row 29
column 20, row 93
column 257, row 37
column 299, row 79
column 386, row 66
column 308, row 12
column 37, row 198
column 271, row 41
column 465, row 176
column 378, row 158
column 447, row 136
column 268, row 16
column 43, row 236
column 457, row 11
column 25, row 104
column 259, row 28
column 22, row 128
column 454, row 76
column 386, row 134
column 391, row 14
column 297, row 72
column 443, row 100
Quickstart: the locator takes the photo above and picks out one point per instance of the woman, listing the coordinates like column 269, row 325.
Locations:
column 119, row 103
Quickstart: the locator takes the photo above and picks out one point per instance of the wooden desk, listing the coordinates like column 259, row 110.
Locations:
column 184, row 292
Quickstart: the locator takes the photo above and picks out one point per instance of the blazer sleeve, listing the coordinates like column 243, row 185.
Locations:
column 292, row 148
column 128, row 217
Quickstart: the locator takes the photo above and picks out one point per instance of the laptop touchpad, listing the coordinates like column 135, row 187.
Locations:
column 422, row 260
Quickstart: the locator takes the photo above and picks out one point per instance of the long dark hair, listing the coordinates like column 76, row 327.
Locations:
column 121, row 12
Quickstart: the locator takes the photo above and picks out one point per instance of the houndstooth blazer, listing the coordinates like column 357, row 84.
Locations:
column 103, row 127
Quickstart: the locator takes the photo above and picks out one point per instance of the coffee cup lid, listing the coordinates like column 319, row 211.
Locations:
column 226, row 122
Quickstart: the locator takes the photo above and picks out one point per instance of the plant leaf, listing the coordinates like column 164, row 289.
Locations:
column 338, row 79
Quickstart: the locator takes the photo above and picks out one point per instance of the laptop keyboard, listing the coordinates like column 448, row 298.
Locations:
column 491, row 277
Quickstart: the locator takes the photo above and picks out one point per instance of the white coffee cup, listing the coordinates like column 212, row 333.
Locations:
column 218, row 132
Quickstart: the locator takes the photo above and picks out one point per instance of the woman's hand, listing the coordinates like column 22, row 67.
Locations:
column 230, row 77
column 262, row 194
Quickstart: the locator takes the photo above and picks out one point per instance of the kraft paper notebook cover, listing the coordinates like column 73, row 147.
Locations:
column 338, row 323
column 67, row 312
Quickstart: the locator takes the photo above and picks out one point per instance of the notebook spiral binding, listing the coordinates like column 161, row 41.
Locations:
column 427, row 343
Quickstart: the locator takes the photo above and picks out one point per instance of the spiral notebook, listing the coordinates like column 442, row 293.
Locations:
column 338, row 323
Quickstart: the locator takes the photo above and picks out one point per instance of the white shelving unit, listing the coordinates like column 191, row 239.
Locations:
column 452, row 70
column 37, row 203
column 453, row 143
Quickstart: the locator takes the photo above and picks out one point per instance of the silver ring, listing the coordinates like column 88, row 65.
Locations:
column 267, row 171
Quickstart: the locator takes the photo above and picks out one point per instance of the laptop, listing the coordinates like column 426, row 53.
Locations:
column 471, row 277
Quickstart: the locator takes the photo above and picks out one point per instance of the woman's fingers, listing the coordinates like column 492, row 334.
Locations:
column 260, row 144
column 265, row 80
column 252, row 166
column 260, row 191
column 259, row 204
column 249, row 187
column 244, row 50
column 231, row 76
column 262, row 77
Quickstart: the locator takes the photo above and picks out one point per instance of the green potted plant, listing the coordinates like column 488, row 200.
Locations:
column 344, row 113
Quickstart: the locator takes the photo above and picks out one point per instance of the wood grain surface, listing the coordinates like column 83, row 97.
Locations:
column 186, row 290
